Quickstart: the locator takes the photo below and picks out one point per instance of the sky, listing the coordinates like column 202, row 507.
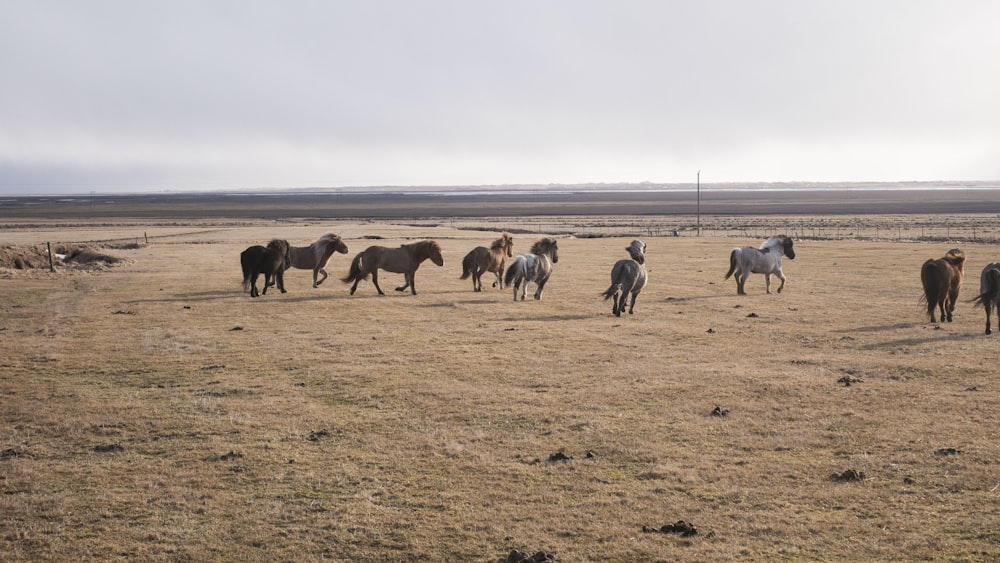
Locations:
column 134, row 96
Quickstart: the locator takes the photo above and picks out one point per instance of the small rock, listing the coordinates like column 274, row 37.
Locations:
column 317, row 434
column 685, row 529
column 719, row 411
column 947, row 451
column 710, row 331
column 848, row 476
column 559, row 456
column 236, row 328
column 108, row 448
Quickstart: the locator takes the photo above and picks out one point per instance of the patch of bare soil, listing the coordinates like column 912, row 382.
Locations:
column 35, row 257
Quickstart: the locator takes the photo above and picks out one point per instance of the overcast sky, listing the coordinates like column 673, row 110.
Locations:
column 178, row 95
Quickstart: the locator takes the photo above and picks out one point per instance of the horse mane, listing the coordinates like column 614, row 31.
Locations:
column 327, row 239
column 423, row 246
column 502, row 242
column 279, row 245
column 543, row 245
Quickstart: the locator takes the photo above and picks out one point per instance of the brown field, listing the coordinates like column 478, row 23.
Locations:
column 150, row 410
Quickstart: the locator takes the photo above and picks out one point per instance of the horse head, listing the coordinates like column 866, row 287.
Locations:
column 956, row 258
column 637, row 250
column 434, row 252
column 508, row 244
column 547, row 246
column 786, row 243
column 283, row 249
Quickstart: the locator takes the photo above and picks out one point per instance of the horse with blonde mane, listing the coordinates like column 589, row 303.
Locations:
column 315, row 256
column 628, row 277
column 535, row 266
column 765, row 260
column 493, row 259
column 403, row 260
column 942, row 278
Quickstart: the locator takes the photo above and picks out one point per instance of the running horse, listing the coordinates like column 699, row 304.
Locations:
column 493, row 259
column 271, row 260
column 628, row 277
column 535, row 266
column 315, row 256
column 989, row 292
column 764, row 260
column 403, row 260
column 942, row 278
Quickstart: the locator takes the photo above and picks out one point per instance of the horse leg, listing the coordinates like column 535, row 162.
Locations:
column 989, row 306
column 316, row 271
column 253, row 285
column 411, row 280
column 279, row 277
column 408, row 279
column 631, row 305
column 538, row 290
column 477, row 280
column 741, row 283
column 375, row 281
column 781, row 276
column 767, row 283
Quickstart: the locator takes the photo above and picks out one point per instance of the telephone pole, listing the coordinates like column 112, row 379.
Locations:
column 699, row 203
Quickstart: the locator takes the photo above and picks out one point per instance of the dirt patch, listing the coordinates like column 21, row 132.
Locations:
column 35, row 257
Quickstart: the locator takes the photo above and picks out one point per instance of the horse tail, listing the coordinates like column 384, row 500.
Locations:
column 246, row 272
column 991, row 292
column 516, row 268
column 467, row 263
column 354, row 274
column 615, row 288
column 732, row 262
column 930, row 278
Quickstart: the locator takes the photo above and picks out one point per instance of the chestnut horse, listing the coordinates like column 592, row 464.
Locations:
column 493, row 259
column 270, row 261
column 533, row 267
column 628, row 277
column 989, row 292
column 403, row 260
column 315, row 256
column 942, row 278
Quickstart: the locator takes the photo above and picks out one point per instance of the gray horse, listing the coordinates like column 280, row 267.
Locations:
column 765, row 260
column 628, row 277
column 535, row 266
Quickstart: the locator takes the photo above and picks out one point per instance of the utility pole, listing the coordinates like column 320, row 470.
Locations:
column 699, row 203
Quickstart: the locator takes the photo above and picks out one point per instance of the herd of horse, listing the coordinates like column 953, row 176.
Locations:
column 941, row 278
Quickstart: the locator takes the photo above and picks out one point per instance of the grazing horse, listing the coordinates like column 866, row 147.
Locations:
column 270, row 261
column 765, row 260
column 315, row 256
column 989, row 292
column 535, row 266
column 403, row 260
column 493, row 259
column 628, row 277
column 942, row 278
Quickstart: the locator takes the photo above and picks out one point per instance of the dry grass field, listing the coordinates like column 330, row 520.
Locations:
column 151, row 410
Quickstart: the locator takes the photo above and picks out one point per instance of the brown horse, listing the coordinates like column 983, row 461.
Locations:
column 942, row 278
column 989, row 292
column 315, row 256
column 403, row 260
column 493, row 259
column 270, row 261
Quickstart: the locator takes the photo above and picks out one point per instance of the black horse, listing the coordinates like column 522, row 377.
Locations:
column 270, row 261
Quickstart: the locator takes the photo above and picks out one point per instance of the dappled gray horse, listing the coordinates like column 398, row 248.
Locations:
column 628, row 277
column 535, row 266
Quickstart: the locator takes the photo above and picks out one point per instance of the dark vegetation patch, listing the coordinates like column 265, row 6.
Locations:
column 35, row 257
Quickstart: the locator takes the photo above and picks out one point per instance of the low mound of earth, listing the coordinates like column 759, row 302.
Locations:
column 35, row 257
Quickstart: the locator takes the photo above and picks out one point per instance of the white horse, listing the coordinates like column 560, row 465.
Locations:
column 535, row 266
column 628, row 277
column 765, row 260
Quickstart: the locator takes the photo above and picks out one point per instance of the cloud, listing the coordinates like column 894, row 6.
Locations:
column 243, row 94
